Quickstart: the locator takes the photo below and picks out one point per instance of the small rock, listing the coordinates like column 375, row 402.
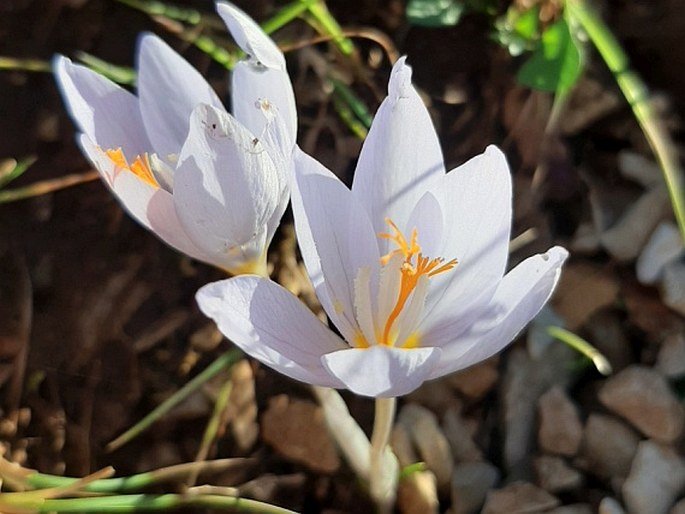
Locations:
column 610, row 506
column 297, row 430
column 471, row 482
column 639, row 168
column 626, row 238
column 555, row 475
column 524, row 381
column 608, row 446
column 429, row 440
column 673, row 286
column 585, row 240
column 670, row 361
column 576, row 508
column 664, row 246
column 519, row 498
column 476, row 381
column 417, row 494
column 401, row 444
column 656, row 479
column 560, row 429
column 584, row 288
column 643, row 397
column 464, row 449
column 606, row 330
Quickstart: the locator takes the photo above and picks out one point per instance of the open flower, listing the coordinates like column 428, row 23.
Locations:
column 212, row 185
column 409, row 265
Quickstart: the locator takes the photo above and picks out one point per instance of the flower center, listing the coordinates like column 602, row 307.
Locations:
column 140, row 166
column 414, row 270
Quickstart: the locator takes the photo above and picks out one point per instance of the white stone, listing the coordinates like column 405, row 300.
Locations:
column 609, row 505
column 656, row 479
column 464, row 449
column 626, row 238
column 664, row 246
column 673, row 286
column 637, row 167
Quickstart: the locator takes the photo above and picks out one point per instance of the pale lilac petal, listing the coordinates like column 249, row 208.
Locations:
column 169, row 89
column 271, row 325
column 380, row 371
column 428, row 221
column 520, row 296
column 476, row 199
column 150, row 206
column 252, row 83
column 250, row 37
column 401, row 157
column 226, row 187
column 105, row 112
column 321, row 203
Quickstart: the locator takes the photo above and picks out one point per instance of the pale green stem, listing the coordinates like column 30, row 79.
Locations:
column 224, row 362
column 637, row 94
column 581, row 345
column 31, row 502
column 381, row 489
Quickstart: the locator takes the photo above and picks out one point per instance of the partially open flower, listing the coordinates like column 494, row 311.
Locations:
column 212, row 185
column 409, row 265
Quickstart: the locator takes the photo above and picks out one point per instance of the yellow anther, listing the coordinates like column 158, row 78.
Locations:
column 140, row 166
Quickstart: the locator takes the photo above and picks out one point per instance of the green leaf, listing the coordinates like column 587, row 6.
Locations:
column 518, row 30
column 556, row 64
column 434, row 13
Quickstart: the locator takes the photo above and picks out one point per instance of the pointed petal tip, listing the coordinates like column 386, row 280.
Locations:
column 400, row 79
column 250, row 37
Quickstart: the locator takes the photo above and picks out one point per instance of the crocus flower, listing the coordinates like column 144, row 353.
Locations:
column 211, row 185
column 409, row 265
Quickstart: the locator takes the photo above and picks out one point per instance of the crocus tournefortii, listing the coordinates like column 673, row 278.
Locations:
column 409, row 265
column 211, row 185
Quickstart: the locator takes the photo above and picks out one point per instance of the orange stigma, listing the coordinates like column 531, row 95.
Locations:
column 414, row 266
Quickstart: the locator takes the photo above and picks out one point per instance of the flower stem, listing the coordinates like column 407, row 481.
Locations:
column 382, row 486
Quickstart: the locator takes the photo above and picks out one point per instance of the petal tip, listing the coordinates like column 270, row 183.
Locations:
column 400, row 79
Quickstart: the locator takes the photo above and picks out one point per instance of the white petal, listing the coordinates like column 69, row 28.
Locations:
column 169, row 89
column 401, row 157
column 250, row 37
column 226, row 187
column 105, row 112
column 321, row 203
column 151, row 207
column 519, row 297
column 476, row 199
column 273, row 326
column 251, row 84
column 427, row 219
column 380, row 371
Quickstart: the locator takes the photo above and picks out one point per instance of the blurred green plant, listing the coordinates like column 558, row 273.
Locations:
column 434, row 13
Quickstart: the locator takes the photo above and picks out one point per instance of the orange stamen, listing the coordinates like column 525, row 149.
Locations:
column 140, row 167
column 411, row 272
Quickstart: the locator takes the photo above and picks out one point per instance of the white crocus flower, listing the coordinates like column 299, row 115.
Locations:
column 409, row 265
column 211, row 185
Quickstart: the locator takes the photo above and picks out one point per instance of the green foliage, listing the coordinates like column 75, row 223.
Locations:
column 11, row 169
column 556, row 64
column 435, row 13
column 518, row 30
